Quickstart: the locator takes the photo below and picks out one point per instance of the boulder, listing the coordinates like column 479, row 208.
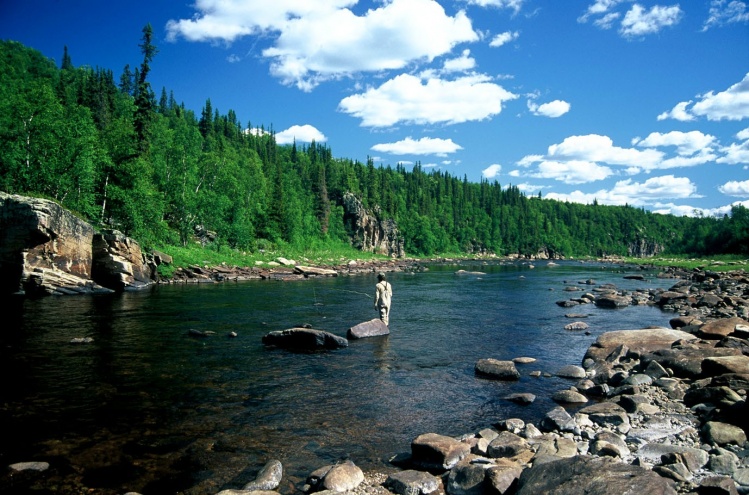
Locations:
column 507, row 444
column 44, row 249
column 719, row 433
column 268, row 478
column 496, row 369
column 577, row 325
column 371, row 328
column 522, row 398
column 717, row 329
column 313, row 271
column 412, row 482
column 571, row 371
column 592, row 476
column 687, row 362
column 569, row 397
column 467, row 477
column 558, row 420
column 304, row 339
column 503, row 476
column 613, row 301
column 119, row 263
column 720, row 365
column 432, row 451
column 606, row 414
column 640, row 341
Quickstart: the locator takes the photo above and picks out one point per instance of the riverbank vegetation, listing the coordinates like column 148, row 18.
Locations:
column 124, row 158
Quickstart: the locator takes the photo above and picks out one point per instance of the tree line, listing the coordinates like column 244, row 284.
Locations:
column 121, row 157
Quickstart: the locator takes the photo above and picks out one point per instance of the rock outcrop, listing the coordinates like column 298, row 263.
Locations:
column 369, row 232
column 45, row 250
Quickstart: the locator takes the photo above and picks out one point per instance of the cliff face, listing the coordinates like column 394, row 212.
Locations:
column 44, row 249
column 642, row 248
column 370, row 233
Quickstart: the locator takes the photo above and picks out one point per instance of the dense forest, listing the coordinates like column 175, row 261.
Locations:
column 116, row 154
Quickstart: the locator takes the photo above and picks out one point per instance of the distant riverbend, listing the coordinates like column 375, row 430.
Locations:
column 140, row 404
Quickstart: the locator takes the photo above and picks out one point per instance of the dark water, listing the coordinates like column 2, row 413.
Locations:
column 145, row 407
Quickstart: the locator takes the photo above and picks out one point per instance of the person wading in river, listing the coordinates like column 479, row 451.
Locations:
column 383, row 295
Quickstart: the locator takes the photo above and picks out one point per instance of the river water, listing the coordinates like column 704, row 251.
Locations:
column 146, row 407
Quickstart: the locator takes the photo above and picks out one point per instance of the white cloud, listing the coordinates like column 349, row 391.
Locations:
column 515, row 5
column 319, row 41
column 302, row 133
column 686, row 143
column 731, row 104
column 691, row 211
column 600, row 7
column 552, row 109
column 635, row 193
column 461, row 64
column 638, row 22
column 572, row 171
column 491, row 171
column 607, row 21
column 409, row 99
column 597, row 148
column 726, row 12
column 504, row 38
column 424, row 146
column 530, row 188
column 735, row 188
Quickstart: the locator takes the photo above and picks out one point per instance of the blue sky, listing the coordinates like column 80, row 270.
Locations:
column 637, row 102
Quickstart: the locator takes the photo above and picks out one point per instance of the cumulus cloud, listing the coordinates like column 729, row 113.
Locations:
column 411, row 99
column 686, row 143
column 600, row 7
column 726, row 12
column 423, row 146
column 597, row 148
column 461, row 64
column 491, row 171
column 736, row 153
column 691, row 211
column 638, row 21
column 319, row 41
column 302, row 133
column 735, row 188
column 514, row 5
column 731, row 104
column 552, row 109
column 504, row 38
column 572, row 171
column 635, row 193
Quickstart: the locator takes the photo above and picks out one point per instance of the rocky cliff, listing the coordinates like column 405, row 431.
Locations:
column 370, row 233
column 45, row 249
column 643, row 248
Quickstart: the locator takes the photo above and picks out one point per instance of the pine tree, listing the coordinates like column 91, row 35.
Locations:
column 144, row 99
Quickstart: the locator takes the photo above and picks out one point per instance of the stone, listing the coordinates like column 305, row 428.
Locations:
column 577, row 325
column 687, row 362
column 717, row 485
column 412, row 482
column 606, row 414
column 677, row 472
column 610, row 444
column 496, row 369
column 343, row 477
column 569, row 397
column 268, row 478
column 613, row 301
column 640, row 341
column 29, row 466
column 655, row 371
column 592, row 476
column 713, row 366
column 432, row 451
column 523, row 360
column 557, row 420
column 718, row 433
column 507, row 444
column 571, row 371
column 503, row 477
column 717, row 329
column 313, row 271
column 467, row 478
column 304, row 339
column 723, row 464
column 369, row 232
column 118, row 262
column 371, row 328
column 523, row 399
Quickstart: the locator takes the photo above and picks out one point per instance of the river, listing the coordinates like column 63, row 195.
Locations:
column 146, row 407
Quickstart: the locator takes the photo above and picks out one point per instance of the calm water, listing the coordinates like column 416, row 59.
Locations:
column 145, row 407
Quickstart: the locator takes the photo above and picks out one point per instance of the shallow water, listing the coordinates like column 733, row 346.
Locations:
column 146, row 407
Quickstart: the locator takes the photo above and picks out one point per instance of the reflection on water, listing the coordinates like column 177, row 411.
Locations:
column 148, row 408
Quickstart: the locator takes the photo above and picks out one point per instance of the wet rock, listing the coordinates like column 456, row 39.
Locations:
column 557, row 419
column 521, row 398
column 577, row 325
column 496, row 369
column 268, row 478
column 592, row 476
column 371, row 328
column 432, row 451
column 304, row 339
column 613, row 301
column 412, row 482
column 571, row 371
column 569, row 397
column 313, row 271
column 523, row 360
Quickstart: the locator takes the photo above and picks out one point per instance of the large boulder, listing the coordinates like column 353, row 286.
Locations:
column 592, row 476
column 304, row 339
column 119, row 263
column 371, row 328
column 432, row 451
column 717, row 329
column 44, row 249
column 640, row 341
column 496, row 369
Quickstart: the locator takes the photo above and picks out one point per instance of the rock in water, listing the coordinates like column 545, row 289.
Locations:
column 371, row 328
column 304, row 338
column 268, row 478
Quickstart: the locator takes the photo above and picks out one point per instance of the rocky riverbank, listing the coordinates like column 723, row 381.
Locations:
column 651, row 411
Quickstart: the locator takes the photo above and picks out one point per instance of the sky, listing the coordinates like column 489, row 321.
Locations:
column 641, row 102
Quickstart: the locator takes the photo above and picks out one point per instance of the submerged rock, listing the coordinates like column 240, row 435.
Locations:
column 304, row 339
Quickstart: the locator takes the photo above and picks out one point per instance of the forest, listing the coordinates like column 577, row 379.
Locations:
column 117, row 155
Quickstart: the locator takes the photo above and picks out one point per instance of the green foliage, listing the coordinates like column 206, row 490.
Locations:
column 166, row 177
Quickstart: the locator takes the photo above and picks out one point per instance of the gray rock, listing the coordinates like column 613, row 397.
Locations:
column 592, row 476
column 677, row 471
column 714, row 366
column 29, row 466
column 640, row 341
column 557, row 420
column 304, row 338
column 343, row 477
column 717, row 485
column 467, row 478
column 655, row 370
column 606, row 414
column 609, row 444
column 412, row 482
column 569, row 397
column 613, row 301
column 718, row 433
column 503, row 476
column 723, row 464
column 638, row 379
column 520, row 398
column 268, row 478
column 507, row 444
column 437, row 452
column 496, row 369
column 371, row 328
column 577, row 325
column 571, row 371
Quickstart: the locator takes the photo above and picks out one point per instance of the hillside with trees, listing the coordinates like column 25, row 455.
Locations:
column 109, row 149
